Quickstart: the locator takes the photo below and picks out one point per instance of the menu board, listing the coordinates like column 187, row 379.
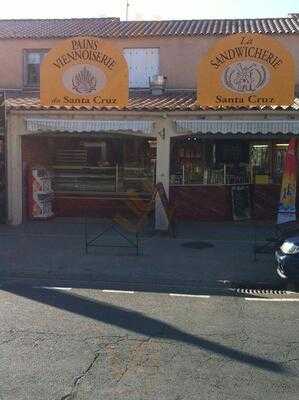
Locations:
column 240, row 202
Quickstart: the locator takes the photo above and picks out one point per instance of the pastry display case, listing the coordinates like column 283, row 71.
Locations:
column 92, row 167
column 78, row 179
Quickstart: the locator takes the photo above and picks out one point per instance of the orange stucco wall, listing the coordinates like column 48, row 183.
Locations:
column 178, row 57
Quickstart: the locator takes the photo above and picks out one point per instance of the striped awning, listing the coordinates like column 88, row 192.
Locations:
column 237, row 127
column 80, row 126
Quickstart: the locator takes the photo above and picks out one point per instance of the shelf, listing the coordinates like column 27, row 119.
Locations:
column 102, row 195
column 138, row 179
column 82, row 176
column 84, row 190
column 71, row 155
column 211, row 184
column 81, row 168
column 190, row 158
column 134, row 168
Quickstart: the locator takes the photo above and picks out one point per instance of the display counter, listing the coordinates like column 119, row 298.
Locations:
column 96, row 180
column 100, row 191
column 214, row 202
column 77, row 179
column 205, row 172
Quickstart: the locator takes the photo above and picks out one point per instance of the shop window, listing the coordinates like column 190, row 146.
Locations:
column 143, row 64
column 199, row 162
column 32, row 61
column 231, row 162
column 187, row 163
column 267, row 161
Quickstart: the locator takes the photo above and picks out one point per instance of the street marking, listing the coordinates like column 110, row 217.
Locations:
column 200, row 296
column 118, row 291
column 53, row 288
column 263, row 299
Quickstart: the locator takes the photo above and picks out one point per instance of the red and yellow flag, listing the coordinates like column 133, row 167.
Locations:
column 287, row 203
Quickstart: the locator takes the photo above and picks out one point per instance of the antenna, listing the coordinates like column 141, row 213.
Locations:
column 127, row 10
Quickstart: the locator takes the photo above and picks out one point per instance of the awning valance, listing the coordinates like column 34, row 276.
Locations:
column 237, row 127
column 80, row 126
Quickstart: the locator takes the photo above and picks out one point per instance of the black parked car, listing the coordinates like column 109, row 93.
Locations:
column 287, row 258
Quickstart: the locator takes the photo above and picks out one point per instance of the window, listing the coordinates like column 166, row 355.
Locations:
column 32, row 61
column 143, row 64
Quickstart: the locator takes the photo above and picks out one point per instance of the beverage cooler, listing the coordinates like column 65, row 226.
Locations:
column 40, row 193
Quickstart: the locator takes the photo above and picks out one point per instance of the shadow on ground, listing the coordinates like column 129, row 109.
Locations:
column 139, row 323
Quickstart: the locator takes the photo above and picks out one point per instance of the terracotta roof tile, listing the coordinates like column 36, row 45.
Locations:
column 141, row 101
column 113, row 27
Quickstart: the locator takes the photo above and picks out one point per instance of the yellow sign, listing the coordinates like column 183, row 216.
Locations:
column 84, row 71
column 245, row 70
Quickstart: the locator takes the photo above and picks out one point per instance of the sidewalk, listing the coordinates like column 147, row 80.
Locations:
column 55, row 249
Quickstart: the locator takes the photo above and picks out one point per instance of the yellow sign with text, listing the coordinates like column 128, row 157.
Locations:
column 244, row 70
column 84, row 71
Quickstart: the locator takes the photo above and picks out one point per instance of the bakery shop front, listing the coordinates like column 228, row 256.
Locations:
column 71, row 152
column 219, row 156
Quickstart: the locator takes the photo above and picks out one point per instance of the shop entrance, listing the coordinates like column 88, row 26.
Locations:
column 92, row 176
column 204, row 172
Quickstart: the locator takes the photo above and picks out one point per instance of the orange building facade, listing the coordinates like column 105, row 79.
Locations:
column 98, row 155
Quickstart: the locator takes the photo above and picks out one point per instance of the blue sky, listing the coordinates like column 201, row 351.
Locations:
column 149, row 9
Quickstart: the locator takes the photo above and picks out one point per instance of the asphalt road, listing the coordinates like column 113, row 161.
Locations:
column 91, row 344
